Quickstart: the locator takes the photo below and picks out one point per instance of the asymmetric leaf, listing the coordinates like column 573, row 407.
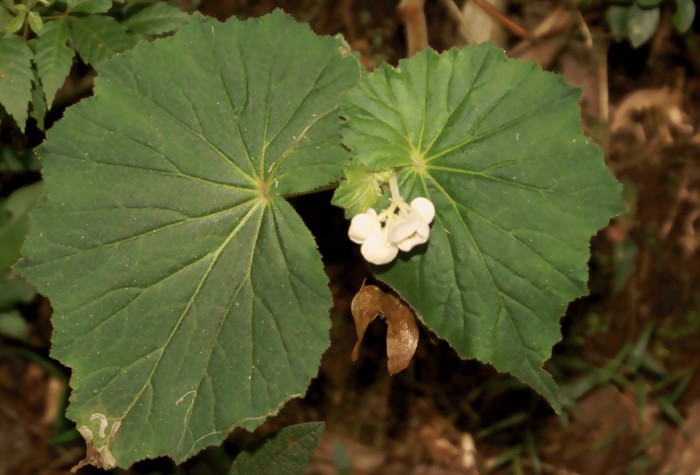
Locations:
column 286, row 452
column 496, row 145
column 189, row 297
column 15, row 77
column 53, row 58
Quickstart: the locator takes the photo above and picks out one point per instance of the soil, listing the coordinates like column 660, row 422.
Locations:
column 443, row 415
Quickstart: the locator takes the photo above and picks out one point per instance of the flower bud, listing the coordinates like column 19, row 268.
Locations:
column 362, row 225
column 424, row 207
column 378, row 250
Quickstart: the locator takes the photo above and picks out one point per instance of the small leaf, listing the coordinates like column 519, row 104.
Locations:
column 17, row 22
column 156, row 19
column 35, row 22
column 189, row 297
column 97, row 38
column 496, row 145
column 13, row 231
column 287, row 452
column 641, row 25
column 360, row 189
column 13, row 325
column 17, row 159
column 402, row 331
column 684, row 15
column 37, row 109
column 53, row 58
column 89, row 6
column 616, row 18
column 14, row 290
column 15, row 77
column 5, row 18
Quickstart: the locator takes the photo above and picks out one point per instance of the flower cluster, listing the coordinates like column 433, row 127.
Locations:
column 400, row 227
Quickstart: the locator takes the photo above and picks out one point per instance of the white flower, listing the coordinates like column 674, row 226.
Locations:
column 408, row 232
column 377, row 249
column 399, row 227
column 362, row 225
column 424, row 207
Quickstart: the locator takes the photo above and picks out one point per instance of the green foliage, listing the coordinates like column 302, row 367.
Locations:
column 637, row 21
column 684, row 15
column 14, row 221
column 15, row 77
column 14, row 159
column 496, row 145
column 88, row 6
column 286, row 452
column 189, row 297
column 156, row 19
column 62, row 29
column 53, row 58
column 14, row 291
column 360, row 190
column 97, row 38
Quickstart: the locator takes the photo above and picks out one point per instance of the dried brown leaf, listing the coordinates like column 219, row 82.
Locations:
column 402, row 331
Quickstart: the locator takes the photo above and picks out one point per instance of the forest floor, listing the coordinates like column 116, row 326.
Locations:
column 628, row 360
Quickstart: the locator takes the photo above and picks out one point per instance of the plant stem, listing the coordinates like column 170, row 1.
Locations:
column 394, row 187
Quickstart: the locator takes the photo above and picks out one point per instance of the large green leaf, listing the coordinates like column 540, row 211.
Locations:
column 286, row 452
column 53, row 58
column 189, row 297
column 15, row 77
column 496, row 144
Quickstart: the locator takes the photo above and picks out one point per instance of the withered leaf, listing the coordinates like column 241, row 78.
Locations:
column 402, row 331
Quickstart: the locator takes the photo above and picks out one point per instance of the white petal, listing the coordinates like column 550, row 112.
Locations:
column 424, row 207
column 362, row 225
column 377, row 250
column 414, row 240
column 408, row 243
column 402, row 227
